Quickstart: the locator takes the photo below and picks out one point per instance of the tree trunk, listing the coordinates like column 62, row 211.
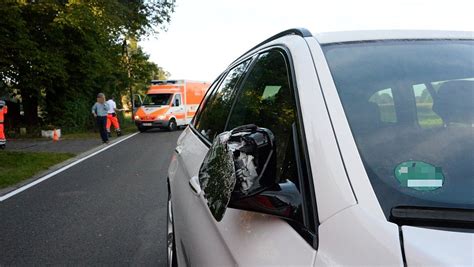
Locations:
column 30, row 109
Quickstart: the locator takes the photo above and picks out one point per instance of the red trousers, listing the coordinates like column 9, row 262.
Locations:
column 2, row 134
column 111, row 119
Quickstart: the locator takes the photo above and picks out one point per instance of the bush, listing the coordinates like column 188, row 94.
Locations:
column 76, row 116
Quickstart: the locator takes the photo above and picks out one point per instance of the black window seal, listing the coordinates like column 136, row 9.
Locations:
column 304, row 149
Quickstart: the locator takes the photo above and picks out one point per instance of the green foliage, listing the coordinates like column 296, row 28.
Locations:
column 58, row 54
column 75, row 117
column 18, row 166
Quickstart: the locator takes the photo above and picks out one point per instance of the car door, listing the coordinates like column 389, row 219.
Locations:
column 192, row 219
column 267, row 98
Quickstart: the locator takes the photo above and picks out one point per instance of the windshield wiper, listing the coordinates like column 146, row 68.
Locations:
column 428, row 216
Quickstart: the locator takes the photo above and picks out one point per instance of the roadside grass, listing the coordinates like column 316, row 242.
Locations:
column 18, row 166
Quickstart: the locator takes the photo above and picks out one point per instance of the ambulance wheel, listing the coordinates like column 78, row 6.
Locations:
column 172, row 126
column 2, row 147
column 142, row 129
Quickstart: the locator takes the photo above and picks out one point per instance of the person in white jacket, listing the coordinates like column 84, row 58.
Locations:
column 112, row 118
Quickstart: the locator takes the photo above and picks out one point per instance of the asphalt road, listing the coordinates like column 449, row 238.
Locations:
column 107, row 210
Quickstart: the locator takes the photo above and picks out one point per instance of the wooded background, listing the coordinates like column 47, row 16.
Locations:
column 56, row 55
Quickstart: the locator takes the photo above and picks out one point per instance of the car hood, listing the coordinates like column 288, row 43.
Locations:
column 432, row 247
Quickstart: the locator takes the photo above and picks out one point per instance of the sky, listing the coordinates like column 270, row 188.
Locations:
column 205, row 36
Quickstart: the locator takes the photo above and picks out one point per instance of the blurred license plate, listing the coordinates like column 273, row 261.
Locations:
column 147, row 124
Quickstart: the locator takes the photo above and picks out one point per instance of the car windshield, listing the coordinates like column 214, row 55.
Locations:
column 410, row 106
column 157, row 99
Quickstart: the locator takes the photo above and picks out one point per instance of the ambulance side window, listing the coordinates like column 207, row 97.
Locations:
column 177, row 100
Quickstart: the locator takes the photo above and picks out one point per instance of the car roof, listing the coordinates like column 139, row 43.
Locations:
column 360, row 36
column 376, row 35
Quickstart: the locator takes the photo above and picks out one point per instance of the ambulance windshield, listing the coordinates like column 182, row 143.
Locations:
column 157, row 99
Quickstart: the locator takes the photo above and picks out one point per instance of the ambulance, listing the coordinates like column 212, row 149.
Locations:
column 169, row 104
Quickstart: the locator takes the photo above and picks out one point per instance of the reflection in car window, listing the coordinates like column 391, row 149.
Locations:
column 385, row 106
column 426, row 157
column 424, row 107
column 214, row 115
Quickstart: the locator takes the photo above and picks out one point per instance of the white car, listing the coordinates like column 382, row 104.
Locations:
column 349, row 148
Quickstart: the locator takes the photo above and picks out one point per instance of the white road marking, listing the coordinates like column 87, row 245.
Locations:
column 47, row 176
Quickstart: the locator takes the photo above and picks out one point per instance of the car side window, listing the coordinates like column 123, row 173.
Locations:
column 216, row 110
column 207, row 96
column 267, row 100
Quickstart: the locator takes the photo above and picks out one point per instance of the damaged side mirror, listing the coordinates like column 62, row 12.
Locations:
column 239, row 171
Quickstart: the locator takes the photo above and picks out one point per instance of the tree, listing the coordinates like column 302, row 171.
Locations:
column 58, row 54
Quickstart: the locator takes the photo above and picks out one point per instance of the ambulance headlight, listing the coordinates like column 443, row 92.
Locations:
column 137, row 118
column 161, row 117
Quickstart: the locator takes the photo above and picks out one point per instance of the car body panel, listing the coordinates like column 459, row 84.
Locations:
column 433, row 247
column 348, row 150
column 263, row 240
column 356, row 237
column 330, row 181
column 195, row 235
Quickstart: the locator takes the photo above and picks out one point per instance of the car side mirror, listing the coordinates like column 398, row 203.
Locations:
column 254, row 160
column 137, row 104
column 239, row 171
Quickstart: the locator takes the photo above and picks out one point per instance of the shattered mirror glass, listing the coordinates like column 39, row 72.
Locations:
column 254, row 159
column 234, row 166
column 217, row 175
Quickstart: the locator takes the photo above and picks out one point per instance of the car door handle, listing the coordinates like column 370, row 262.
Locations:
column 178, row 149
column 194, row 184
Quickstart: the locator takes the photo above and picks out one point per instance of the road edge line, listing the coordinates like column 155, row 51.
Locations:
column 49, row 175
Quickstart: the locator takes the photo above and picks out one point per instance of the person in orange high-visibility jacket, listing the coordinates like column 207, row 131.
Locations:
column 3, row 111
column 112, row 118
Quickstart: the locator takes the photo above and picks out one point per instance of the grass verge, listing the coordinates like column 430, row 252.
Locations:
column 18, row 166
